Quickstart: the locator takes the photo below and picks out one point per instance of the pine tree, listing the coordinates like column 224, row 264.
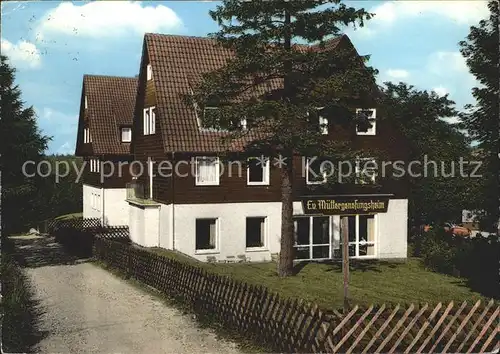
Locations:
column 280, row 85
column 20, row 141
column 482, row 120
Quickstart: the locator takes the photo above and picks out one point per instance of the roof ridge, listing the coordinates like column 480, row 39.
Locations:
column 109, row 76
column 177, row 35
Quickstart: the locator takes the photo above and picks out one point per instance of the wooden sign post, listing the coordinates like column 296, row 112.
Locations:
column 345, row 261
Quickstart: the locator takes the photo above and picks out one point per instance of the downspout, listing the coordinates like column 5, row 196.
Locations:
column 103, row 191
column 173, row 206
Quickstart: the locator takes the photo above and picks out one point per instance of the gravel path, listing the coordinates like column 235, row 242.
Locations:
column 88, row 310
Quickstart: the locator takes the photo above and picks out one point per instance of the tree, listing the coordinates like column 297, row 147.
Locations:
column 280, row 86
column 20, row 141
column 419, row 114
column 482, row 120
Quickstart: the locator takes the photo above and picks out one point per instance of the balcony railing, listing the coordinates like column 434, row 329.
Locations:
column 137, row 192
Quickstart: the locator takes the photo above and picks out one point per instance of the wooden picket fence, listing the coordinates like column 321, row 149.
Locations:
column 292, row 325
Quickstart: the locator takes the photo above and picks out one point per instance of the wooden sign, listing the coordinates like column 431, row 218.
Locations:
column 343, row 205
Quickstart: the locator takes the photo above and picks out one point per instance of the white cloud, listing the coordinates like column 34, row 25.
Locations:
column 390, row 12
column 109, row 19
column 440, row 90
column 443, row 62
column 23, row 54
column 397, row 73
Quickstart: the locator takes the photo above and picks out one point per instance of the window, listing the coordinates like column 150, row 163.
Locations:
column 366, row 171
column 361, row 230
column 126, row 135
column 206, row 234
column 323, row 125
column 371, row 115
column 313, row 237
column 86, row 105
column 243, row 124
column 255, row 232
column 316, row 172
column 207, row 171
column 258, row 171
column 149, row 72
column 86, row 136
column 94, row 165
column 149, row 120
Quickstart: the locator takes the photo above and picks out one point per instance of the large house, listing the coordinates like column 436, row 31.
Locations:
column 104, row 136
column 216, row 211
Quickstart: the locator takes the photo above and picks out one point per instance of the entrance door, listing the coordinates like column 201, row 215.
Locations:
column 361, row 231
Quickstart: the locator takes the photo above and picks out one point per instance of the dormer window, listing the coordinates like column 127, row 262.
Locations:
column 149, row 115
column 86, row 105
column 243, row 124
column 126, row 134
column 371, row 115
column 323, row 125
column 86, row 136
column 149, row 72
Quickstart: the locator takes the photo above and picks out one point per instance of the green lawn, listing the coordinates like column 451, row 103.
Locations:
column 69, row 216
column 371, row 281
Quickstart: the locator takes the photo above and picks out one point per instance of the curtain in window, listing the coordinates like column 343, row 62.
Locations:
column 206, row 170
column 371, row 229
column 212, row 234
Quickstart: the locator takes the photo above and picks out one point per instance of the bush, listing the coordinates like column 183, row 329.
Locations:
column 473, row 258
column 18, row 309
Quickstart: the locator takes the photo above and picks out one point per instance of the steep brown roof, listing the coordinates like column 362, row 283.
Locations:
column 111, row 103
column 177, row 63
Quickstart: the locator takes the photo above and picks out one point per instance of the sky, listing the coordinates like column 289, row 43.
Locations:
column 53, row 44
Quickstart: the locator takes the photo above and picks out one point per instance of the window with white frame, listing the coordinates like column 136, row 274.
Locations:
column 323, row 125
column 362, row 234
column 149, row 118
column 206, row 234
column 243, row 124
column 207, row 171
column 371, row 115
column 313, row 237
column 258, row 171
column 94, row 165
column 255, row 232
column 316, row 171
column 366, row 171
column 126, row 134
column 86, row 136
column 149, row 72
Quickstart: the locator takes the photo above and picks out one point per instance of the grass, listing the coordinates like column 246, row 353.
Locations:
column 69, row 216
column 370, row 281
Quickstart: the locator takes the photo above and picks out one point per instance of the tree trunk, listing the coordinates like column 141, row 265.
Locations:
column 285, row 263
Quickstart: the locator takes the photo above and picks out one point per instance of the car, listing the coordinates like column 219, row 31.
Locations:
column 457, row 230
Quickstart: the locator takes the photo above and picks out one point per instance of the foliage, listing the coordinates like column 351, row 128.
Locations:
column 280, row 86
column 482, row 120
column 19, row 316
column 475, row 259
column 63, row 196
column 20, row 141
column 419, row 114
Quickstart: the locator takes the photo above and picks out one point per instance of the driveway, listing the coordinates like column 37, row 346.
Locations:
column 85, row 309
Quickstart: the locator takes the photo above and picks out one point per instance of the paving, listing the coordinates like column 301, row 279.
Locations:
column 85, row 309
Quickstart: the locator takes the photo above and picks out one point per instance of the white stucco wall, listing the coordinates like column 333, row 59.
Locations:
column 144, row 224
column 232, row 224
column 393, row 230
column 115, row 206
column 90, row 209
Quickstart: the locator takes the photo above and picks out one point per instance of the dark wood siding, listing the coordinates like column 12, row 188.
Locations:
column 116, row 180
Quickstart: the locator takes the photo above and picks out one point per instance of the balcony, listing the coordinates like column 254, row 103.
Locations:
column 137, row 194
